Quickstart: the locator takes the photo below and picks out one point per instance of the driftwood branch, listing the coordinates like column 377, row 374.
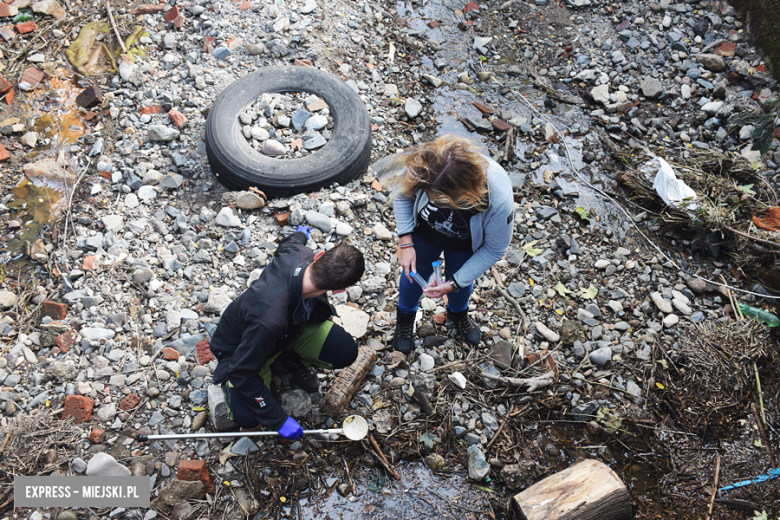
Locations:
column 533, row 383
column 113, row 24
column 523, row 316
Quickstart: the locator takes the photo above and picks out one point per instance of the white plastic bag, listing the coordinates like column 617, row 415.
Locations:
column 672, row 190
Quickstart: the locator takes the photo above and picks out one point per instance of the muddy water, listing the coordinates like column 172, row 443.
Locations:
column 38, row 205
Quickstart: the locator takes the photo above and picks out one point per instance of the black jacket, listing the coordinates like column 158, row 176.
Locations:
column 261, row 322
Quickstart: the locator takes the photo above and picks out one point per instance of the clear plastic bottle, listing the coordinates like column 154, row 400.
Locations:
column 759, row 315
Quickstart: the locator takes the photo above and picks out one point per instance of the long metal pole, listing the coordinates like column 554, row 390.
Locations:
column 144, row 438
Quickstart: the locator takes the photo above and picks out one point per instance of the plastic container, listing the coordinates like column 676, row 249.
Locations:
column 438, row 279
column 759, row 315
column 420, row 280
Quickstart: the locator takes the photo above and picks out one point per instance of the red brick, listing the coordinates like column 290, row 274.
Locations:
column 440, row 318
column 89, row 116
column 147, row 9
column 302, row 63
column 78, row 407
column 66, row 340
column 9, row 97
column 129, row 402
column 245, row 6
column 32, row 77
column 470, row 7
column 5, row 86
column 204, row 353
column 376, row 185
column 171, row 14
column 25, row 27
column 178, row 21
column 177, row 117
column 97, row 436
column 5, row 11
column 282, row 218
column 726, row 49
column 194, row 470
column 500, row 125
column 56, row 311
column 156, row 109
column 7, row 32
column 171, row 354
column 433, row 24
column 89, row 263
column 90, row 97
column 4, row 155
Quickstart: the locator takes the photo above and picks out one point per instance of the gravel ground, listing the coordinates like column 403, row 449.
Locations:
column 158, row 248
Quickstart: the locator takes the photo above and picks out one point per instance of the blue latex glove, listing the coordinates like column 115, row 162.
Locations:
column 291, row 430
column 305, row 230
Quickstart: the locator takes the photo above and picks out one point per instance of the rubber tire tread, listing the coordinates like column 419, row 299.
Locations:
column 238, row 166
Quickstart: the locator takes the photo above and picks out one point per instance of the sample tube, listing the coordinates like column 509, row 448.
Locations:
column 420, row 280
column 437, row 277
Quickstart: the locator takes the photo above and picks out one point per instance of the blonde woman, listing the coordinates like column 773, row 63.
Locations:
column 448, row 199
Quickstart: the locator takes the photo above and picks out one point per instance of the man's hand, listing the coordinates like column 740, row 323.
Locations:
column 291, row 430
column 305, row 230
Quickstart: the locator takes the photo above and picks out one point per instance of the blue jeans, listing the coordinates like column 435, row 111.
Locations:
column 410, row 292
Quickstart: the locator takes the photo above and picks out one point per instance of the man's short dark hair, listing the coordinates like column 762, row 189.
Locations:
column 338, row 268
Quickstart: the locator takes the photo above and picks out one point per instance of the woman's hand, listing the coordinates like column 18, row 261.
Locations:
column 407, row 257
column 439, row 290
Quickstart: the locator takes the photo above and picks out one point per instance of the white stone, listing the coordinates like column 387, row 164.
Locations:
column 226, row 218
column 146, row 193
column 549, row 335
column 671, row 320
column 458, row 380
column 353, row 320
column 600, row 94
column 104, row 465
column 112, row 222
column 664, row 305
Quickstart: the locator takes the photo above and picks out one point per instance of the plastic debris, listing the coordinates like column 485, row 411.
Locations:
column 775, row 473
column 672, row 190
column 759, row 315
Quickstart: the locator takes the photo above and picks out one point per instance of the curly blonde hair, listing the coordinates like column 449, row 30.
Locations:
column 449, row 169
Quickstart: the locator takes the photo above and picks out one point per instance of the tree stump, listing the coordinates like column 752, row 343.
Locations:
column 348, row 381
column 588, row 490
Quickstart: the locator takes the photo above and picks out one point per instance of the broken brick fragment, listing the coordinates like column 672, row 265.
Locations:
column 204, row 352
column 500, row 125
column 9, row 97
column 78, row 407
column 7, row 32
column 178, row 21
column 171, row 354
column 25, row 27
column 90, row 97
column 66, row 340
column 4, row 155
column 483, row 108
column 172, row 13
column 440, row 318
column 177, row 117
column 147, row 9
column 129, row 402
column 193, row 471
column 470, row 7
column 433, row 24
column 376, row 185
column 245, row 6
column 89, row 263
column 97, row 436
column 7, row 11
column 5, row 85
column 302, row 63
column 156, row 109
column 282, row 218
column 54, row 310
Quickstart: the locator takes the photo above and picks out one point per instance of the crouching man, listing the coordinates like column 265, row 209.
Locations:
column 284, row 313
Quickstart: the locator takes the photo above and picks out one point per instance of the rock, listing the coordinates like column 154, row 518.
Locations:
column 226, row 218
column 711, row 62
column 480, row 43
column 671, row 320
column 663, row 304
column 106, row 412
column 501, row 354
column 48, row 170
column 199, row 421
column 697, row 285
column 600, row 356
column 600, row 94
column 272, row 148
column 162, row 133
column 546, row 333
column 7, row 299
column 570, row 332
column 113, row 222
column 89, row 97
column 177, row 492
column 218, row 412
column 412, row 108
column 315, row 142
column 426, row 362
column 243, row 446
column 78, row 465
column 382, row 233
column 217, row 302
column 318, row 220
column 96, row 334
column 354, row 321
column 651, row 87
column 49, row 7
column 296, row 403
column 478, row 466
column 29, row 139
column 316, row 122
column 104, row 465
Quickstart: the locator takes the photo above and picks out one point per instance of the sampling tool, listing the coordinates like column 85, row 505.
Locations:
column 437, row 277
column 355, row 428
column 420, row 280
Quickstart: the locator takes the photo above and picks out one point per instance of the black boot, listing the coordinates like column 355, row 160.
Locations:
column 466, row 326
column 403, row 340
column 305, row 377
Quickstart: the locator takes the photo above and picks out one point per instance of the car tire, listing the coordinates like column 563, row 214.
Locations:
column 238, row 166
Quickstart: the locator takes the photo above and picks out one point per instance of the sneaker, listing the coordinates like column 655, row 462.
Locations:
column 404, row 329
column 305, row 377
column 466, row 327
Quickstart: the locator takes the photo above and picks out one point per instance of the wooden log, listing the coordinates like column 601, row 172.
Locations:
column 348, row 381
column 588, row 490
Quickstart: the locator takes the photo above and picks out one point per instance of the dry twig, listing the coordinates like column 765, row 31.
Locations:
column 113, row 24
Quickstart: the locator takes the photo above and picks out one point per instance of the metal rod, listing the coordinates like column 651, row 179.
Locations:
column 144, row 438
